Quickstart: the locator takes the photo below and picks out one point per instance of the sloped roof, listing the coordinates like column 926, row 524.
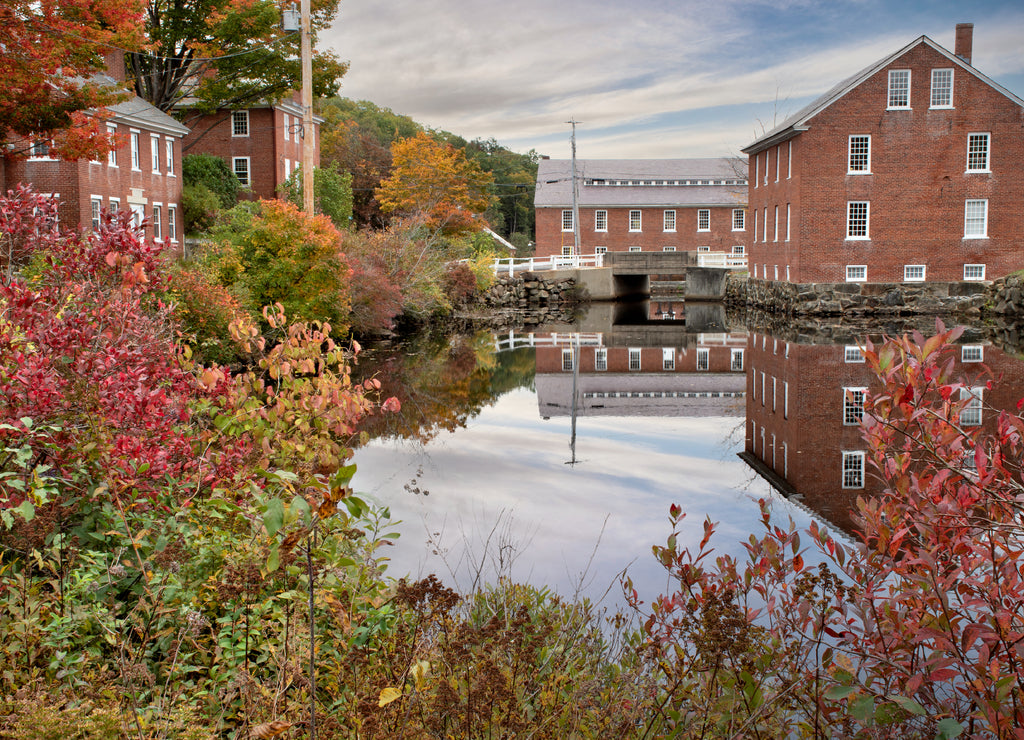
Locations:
column 642, row 182
column 141, row 112
column 798, row 121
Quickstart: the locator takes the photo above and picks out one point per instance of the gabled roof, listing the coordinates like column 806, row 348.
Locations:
column 642, row 182
column 140, row 112
column 798, row 122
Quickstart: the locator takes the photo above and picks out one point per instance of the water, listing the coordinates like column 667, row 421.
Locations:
column 552, row 457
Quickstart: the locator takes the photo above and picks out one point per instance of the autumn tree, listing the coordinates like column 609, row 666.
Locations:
column 434, row 181
column 50, row 50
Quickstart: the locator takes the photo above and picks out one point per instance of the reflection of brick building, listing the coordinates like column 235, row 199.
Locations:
column 803, row 409
column 642, row 205
column 911, row 170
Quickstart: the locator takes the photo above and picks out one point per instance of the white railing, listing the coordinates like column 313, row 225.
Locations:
column 569, row 339
column 722, row 259
column 512, row 265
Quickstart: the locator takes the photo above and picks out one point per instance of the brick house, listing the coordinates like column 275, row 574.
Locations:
column 911, row 170
column 642, row 205
column 141, row 174
column 261, row 144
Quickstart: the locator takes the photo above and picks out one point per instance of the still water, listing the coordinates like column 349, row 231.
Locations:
column 552, row 455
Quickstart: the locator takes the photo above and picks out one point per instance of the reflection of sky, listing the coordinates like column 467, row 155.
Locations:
column 505, row 478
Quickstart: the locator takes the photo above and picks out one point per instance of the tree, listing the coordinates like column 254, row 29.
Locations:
column 48, row 49
column 332, row 193
column 225, row 54
column 212, row 172
column 434, row 181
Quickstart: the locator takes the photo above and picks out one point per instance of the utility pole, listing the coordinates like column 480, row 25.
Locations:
column 575, row 195
column 308, row 141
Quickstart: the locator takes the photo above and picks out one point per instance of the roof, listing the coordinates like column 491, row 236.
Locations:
column 798, row 122
column 720, row 181
column 140, row 112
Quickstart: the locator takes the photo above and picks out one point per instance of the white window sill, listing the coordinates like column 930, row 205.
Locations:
column 977, row 172
column 668, row 231
column 858, row 238
column 859, row 172
column 971, row 238
column 940, row 107
column 739, row 229
column 703, row 231
column 899, row 107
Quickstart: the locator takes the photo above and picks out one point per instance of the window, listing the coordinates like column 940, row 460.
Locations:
column 913, row 273
column 853, row 353
column 601, row 359
column 942, row 88
column 240, row 123
column 974, row 272
column 115, row 206
column 112, row 154
column 899, row 88
column 40, row 149
column 860, row 155
column 755, row 228
column 970, row 414
column 634, row 358
column 154, row 153
column 767, row 162
column 704, row 219
column 785, row 396
column 567, row 360
column 566, row 250
column 775, row 395
column 634, row 221
column 703, row 358
column 669, row 221
column 764, row 227
column 600, row 250
column 977, row 152
column 856, row 273
column 668, row 358
column 972, row 353
column 635, row 249
column 600, row 220
column 976, row 219
column 789, row 163
column 567, row 220
column 853, row 405
column 776, row 237
column 169, row 146
column 96, row 207
column 778, row 160
column 287, row 127
column 155, row 220
column 738, row 249
column 757, row 169
column 703, row 249
column 172, row 223
column 240, row 166
column 753, row 382
column 857, row 212
column 739, row 221
column 789, row 221
column 668, row 249
column 736, row 361
column 853, row 470
column 138, row 213
column 136, row 154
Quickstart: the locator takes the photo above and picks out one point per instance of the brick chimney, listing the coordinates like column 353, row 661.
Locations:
column 964, row 41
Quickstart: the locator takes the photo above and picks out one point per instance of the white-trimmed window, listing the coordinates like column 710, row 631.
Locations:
column 567, row 250
column 600, row 250
column 635, row 221
column 136, row 153
column 703, row 219
column 636, row 249
column 853, row 353
column 40, row 149
column 95, row 209
column 157, row 222
column 789, row 164
column 856, row 273
column 859, row 160
column 172, row 223
column 287, row 127
column 853, row 469
column 970, row 414
column 112, row 154
column 240, row 166
column 977, row 152
column 634, row 358
column 567, row 220
column 169, row 153
column 114, row 206
column 913, row 273
column 739, row 219
column 899, row 89
column 757, row 169
column 767, row 163
column 739, row 249
column 668, row 249
column 736, row 360
column 601, row 220
column 567, row 360
column 853, row 405
column 601, row 358
column 753, row 383
column 704, row 249
column 764, row 226
column 785, row 394
column 668, row 358
column 154, row 152
column 776, row 237
column 976, row 219
column 703, row 358
column 138, row 211
column 942, row 88
column 240, row 123
column 755, row 228
column 778, row 160
column 858, row 213
column 669, row 221
column 974, row 272
column 972, row 353
column 789, row 222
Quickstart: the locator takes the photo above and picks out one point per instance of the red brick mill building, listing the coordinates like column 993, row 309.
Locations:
column 911, row 170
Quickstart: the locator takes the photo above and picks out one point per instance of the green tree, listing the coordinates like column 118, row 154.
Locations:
column 212, row 172
column 332, row 193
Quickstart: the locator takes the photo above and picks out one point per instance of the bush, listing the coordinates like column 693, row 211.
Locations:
column 214, row 173
column 459, row 283
column 199, row 206
column 332, row 193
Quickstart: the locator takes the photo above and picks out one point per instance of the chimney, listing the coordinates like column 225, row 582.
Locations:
column 964, row 41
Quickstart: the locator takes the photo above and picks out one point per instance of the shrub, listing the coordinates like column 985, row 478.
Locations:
column 214, row 173
column 332, row 193
column 199, row 206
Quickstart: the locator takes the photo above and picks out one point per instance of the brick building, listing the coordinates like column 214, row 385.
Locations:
column 141, row 174
column 261, row 144
column 642, row 205
column 911, row 170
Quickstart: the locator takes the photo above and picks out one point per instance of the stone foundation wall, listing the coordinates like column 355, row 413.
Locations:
column 531, row 290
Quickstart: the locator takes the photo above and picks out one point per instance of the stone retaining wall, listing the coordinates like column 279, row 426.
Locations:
column 530, row 290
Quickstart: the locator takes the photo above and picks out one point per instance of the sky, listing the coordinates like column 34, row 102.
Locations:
column 643, row 78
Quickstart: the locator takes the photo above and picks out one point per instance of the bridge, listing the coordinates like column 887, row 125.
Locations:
column 616, row 275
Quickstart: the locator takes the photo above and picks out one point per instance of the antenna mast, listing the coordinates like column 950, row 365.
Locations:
column 575, row 195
